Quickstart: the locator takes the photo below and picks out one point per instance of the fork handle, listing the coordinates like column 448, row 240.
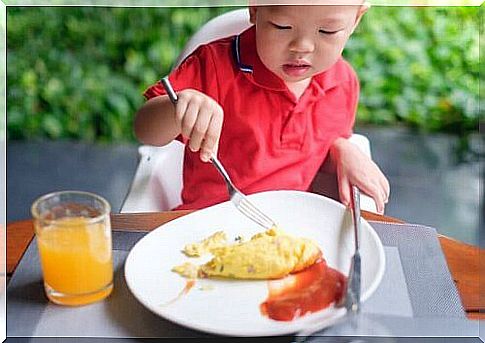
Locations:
column 169, row 89
column 220, row 168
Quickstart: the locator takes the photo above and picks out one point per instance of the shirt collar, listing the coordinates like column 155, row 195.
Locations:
column 247, row 60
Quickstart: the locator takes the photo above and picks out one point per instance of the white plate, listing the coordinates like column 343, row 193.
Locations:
column 231, row 307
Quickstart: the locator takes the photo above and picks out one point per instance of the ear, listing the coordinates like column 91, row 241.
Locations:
column 252, row 14
column 360, row 13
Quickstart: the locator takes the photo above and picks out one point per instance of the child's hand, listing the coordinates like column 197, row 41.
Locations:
column 356, row 168
column 200, row 120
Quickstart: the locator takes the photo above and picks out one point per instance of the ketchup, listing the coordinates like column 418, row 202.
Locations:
column 310, row 290
column 188, row 286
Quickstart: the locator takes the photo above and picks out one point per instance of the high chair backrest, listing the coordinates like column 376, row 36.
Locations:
column 227, row 24
column 157, row 184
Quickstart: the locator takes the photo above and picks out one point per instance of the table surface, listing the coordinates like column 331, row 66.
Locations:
column 466, row 262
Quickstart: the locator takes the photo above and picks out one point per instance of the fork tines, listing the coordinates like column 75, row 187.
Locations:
column 252, row 212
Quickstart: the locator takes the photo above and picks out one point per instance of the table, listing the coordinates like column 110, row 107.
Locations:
column 466, row 262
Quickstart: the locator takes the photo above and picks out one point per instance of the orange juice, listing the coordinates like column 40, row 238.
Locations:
column 76, row 260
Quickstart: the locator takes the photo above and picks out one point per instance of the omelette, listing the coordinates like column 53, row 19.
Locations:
column 271, row 254
column 215, row 240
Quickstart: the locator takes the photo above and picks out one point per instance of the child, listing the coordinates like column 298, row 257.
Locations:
column 273, row 102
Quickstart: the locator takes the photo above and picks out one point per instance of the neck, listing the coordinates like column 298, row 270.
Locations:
column 298, row 87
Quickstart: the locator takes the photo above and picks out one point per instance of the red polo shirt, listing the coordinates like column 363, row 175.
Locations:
column 269, row 140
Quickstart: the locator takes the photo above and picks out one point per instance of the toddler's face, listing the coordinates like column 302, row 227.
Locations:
column 297, row 42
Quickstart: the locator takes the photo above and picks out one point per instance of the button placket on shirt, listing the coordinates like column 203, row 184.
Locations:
column 292, row 130
column 294, row 127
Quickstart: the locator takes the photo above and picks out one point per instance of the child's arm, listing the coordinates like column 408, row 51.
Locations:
column 155, row 122
column 355, row 168
column 196, row 116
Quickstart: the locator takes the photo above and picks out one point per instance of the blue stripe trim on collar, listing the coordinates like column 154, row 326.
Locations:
column 235, row 51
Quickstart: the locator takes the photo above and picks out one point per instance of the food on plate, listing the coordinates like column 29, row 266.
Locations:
column 308, row 291
column 215, row 240
column 187, row 269
column 271, row 254
column 299, row 279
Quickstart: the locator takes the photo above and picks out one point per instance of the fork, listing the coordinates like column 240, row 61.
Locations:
column 240, row 200
column 351, row 298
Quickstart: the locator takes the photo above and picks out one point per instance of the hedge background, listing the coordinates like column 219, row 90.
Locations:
column 79, row 72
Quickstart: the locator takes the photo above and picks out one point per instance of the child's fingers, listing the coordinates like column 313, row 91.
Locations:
column 374, row 190
column 180, row 109
column 386, row 187
column 379, row 199
column 190, row 116
column 379, row 206
column 383, row 184
column 200, row 128
column 344, row 190
column 211, row 139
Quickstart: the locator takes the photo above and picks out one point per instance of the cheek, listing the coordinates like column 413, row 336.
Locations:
column 330, row 51
column 269, row 58
column 326, row 59
column 269, row 51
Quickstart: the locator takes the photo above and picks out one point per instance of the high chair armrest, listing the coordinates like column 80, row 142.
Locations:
column 157, row 183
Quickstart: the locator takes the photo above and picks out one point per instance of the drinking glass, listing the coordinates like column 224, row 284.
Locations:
column 73, row 234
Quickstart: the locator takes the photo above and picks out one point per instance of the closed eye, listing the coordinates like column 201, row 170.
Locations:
column 281, row 27
column 328, row 32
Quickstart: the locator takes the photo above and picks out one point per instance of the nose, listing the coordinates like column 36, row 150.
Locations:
column 302, row 44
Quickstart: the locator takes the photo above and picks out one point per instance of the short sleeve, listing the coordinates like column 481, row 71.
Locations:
column 196, row 72
column 353, row 90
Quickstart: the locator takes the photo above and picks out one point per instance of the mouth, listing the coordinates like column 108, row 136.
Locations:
column 296, row 68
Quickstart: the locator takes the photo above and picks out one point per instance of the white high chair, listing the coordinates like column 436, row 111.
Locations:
column 157, row 184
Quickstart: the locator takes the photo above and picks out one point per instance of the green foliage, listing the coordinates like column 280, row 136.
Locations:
column 79, row 72
column 419, row 66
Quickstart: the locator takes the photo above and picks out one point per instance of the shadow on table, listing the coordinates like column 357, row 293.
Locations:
column 138, row 321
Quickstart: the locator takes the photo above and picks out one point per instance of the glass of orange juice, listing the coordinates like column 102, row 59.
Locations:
column 74, row 238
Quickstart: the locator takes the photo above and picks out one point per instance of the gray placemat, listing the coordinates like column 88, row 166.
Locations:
column 29, row 313
column 416, row 284
column 428, row 279
column 435, row 303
